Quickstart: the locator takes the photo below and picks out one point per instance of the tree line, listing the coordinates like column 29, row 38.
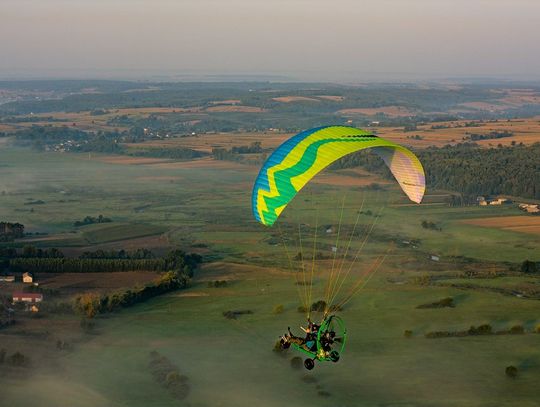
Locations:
column 65, row 265
column 92, row 304
column 484, row 171
column 10, row 231
column 138, row 254
column 234, row 154
column 89, row 220
column 98, row 262
column 490, row 136
column 468, row 169
column 178, row 153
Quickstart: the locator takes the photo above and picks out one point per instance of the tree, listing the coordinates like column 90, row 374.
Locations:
column 529, row 267
column 511, row 371
column 29, row 251
column 88, row 304
column 18, row 359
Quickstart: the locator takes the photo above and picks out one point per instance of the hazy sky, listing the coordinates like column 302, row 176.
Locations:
column 337, row 40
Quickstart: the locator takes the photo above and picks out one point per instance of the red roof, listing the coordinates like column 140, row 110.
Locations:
column 27, row 295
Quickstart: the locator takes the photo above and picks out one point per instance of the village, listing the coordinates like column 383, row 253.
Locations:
column 21, row 290
column 531, row 208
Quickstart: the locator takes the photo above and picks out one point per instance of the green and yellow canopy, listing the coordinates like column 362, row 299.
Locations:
column 294, row 163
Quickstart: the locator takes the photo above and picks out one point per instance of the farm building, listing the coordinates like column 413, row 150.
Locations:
column 28, row 277
column 14, row 230
column 7, row 279
column 482, row 201
column 530, row 208
column 500, row 201
column 27, row 297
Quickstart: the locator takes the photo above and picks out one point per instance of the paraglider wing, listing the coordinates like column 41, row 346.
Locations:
column 294, row 163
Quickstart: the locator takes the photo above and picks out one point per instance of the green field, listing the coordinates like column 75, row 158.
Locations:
column 203, row 204
column 231, row 363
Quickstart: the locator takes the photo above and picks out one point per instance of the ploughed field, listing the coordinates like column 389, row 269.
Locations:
column 525, row 224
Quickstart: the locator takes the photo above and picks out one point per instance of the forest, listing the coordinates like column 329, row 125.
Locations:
column 468, row 169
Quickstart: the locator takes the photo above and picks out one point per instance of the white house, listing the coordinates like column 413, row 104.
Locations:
column 530, row 208
column 28, row 278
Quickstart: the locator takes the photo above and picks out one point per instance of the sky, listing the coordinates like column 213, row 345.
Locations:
column 335, row 40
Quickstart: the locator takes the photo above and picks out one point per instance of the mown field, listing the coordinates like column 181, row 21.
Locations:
column 204, row 205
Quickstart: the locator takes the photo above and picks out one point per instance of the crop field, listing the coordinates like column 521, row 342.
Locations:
column 391, row 111
column 73, row 283
column 104, row 233
column 524, row 224
column 526, row 131
column 235, row 108
column 207, row 142
column 289, row 99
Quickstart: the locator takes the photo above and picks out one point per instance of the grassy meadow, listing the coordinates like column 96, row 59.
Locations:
column 204, row 206
column 229, row 362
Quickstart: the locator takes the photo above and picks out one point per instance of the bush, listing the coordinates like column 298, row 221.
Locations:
column 445, row 302
column 537, row 329
column 172, row 378
column 278, row 349
column 439, row 334
column 18, row 359
column 407, row 333
column 297, row 363
column 529, row 267
column 217, row 284
column 517, row 330
column 511, row 371
column 234, row 314
column 422, row 280
column 484, row 329
column 88, row 304
column 302, row 309
column 278, row 309
column 167, row 375
column 319, row 306
column 62, row 345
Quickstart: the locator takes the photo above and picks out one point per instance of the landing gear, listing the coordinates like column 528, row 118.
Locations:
column 309, row 364
column 334, row 356
column 326, row 344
